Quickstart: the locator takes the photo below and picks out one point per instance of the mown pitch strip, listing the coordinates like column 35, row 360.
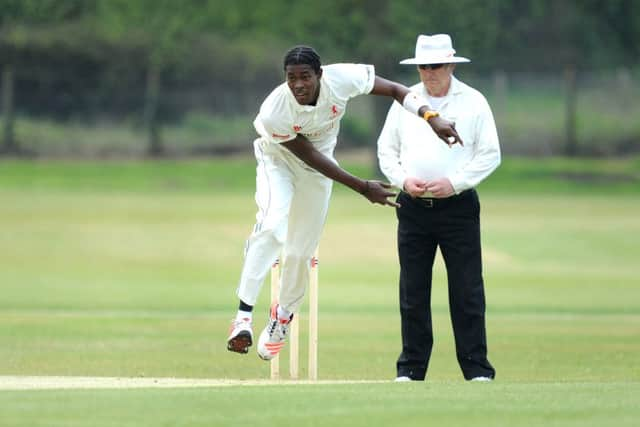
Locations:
column 59, row 382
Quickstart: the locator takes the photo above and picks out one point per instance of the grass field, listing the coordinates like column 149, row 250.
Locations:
column 128, row 269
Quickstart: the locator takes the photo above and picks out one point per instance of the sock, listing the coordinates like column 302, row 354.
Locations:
column 244, row 306
column 282, row 313
column 244, row 315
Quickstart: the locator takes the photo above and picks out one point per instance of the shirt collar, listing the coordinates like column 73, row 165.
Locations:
column 456, row 87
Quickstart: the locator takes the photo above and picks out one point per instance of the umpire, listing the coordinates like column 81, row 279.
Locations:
column 440, row 208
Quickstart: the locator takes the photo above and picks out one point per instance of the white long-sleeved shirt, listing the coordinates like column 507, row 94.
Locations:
column 408, row 147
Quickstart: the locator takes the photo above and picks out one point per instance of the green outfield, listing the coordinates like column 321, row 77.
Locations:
column 128, row 269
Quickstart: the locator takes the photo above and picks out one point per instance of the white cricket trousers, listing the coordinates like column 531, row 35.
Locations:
column 292, row 200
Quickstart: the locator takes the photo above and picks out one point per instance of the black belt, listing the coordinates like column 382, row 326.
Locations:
column 437, row 202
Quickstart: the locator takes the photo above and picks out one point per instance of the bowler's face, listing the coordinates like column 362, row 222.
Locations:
column 303, row 82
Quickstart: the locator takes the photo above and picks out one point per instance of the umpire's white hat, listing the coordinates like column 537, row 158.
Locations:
column 435, row 49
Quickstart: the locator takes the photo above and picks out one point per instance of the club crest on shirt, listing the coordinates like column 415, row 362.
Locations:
column 297, row 128
column 334, row 111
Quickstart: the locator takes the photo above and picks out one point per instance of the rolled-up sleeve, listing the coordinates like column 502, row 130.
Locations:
column 350, row 80
column 272, row 130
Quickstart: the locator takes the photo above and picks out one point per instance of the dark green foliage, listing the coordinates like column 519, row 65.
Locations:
column 103, row 48
column 150, row 62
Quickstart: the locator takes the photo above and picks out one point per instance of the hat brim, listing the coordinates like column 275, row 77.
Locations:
column 420, row 61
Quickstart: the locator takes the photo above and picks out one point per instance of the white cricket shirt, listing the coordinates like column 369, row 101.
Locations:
column 408, row 147
column 281, row 118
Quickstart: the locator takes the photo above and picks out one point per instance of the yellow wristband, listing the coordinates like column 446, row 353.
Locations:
column 428, row 114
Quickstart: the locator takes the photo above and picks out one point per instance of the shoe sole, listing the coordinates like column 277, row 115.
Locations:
column 240, row 343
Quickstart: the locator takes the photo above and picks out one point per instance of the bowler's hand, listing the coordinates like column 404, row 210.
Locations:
column 440, row 188
column 378, row 192
column 445, row 129
column 415, row 186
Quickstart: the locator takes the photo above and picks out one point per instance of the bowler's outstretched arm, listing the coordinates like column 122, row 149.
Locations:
column 442, row 127
column 375, row 191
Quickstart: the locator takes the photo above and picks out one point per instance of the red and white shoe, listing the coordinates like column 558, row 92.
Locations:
column 240, row 336
column 274, row 335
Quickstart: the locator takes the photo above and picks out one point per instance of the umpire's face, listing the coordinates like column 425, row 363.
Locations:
column 436, row 77
column 303, row 82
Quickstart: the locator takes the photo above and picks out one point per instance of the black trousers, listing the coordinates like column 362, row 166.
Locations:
column 453, row 224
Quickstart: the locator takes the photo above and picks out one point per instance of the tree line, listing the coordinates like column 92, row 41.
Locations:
column 84, row 59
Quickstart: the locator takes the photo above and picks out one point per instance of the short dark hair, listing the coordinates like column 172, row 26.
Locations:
column 303, row 55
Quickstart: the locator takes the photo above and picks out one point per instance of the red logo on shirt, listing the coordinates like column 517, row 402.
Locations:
column 297, row 128
column 334, row 111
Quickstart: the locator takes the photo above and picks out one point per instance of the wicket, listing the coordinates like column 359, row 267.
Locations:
column 294, row 329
